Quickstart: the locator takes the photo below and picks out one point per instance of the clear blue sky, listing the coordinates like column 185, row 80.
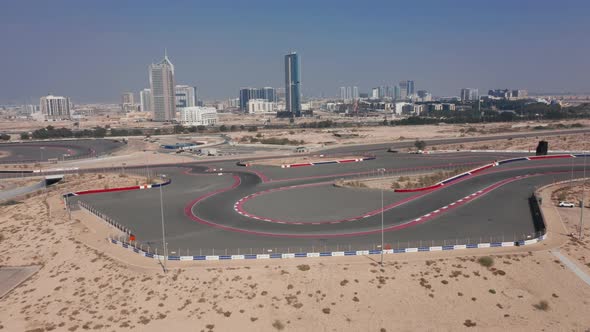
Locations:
column 93, row 51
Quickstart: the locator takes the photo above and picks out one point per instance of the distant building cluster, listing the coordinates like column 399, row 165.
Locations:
column 349, row 93
column 508, row 94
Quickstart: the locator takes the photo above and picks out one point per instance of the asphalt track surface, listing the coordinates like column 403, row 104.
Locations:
column 45, row 150
column 203, row 214
column 298, row 209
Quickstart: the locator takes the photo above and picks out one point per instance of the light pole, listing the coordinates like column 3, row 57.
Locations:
column 163, row 228
column 582, row 201
column 41, row 160
column 381, row 171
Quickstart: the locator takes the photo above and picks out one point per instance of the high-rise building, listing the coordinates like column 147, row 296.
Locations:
column 266, row 93
column 127, row 102
column 55, row 107
column 407, row 89
column 375, row 93
column 411, row 89
column 292, row 84
column 355, row 92
column 469, row 94
column 145, row 99
column 403, row 90
column 127, row 98
column 396, row 93
column 342, row 92
column 269, row 94
column 185, row 96
column 162, row 87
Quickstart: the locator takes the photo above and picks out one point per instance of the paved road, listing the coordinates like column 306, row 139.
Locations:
column 10, row 277
column 44, row 150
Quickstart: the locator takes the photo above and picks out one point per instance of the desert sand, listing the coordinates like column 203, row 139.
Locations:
column 574, row 142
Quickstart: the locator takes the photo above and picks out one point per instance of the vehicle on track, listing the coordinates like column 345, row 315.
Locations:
column 566, row 204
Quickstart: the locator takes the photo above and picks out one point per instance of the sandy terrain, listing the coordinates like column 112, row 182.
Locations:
column 424, row 179
column 87, row 283
column 7, row 184
column 576, row 142
column 380, row 134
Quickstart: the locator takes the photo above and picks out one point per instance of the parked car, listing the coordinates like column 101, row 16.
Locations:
column 566, row 204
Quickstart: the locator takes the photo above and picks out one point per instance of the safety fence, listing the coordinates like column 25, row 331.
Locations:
column 318, row 251
column 86, row 207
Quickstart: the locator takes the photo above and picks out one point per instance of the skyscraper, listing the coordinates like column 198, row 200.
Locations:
column 145, row 98
column 185, row 96
column 292, row 84
column 162, row 88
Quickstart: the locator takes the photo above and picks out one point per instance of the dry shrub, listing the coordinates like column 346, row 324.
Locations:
column 303, row 267
column 542, row 305
column 486, row 261
column 277, row 324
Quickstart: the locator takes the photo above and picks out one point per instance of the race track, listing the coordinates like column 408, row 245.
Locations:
column 262, row 208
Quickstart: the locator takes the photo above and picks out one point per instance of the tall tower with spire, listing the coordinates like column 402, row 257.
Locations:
column 162, row 90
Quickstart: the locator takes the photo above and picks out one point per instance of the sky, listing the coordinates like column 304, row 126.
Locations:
column 93, row 51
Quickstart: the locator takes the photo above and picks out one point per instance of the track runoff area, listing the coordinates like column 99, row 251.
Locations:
column 223, row 211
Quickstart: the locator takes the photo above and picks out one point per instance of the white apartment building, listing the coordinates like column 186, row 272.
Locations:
column 398, row 108
column 198, row 116
column 55, row 107
column 261, row 106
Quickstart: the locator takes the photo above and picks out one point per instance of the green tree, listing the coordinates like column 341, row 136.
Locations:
column 178, row 129
column 24, row 136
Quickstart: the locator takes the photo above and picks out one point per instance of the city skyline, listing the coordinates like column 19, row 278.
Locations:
column 507, row 48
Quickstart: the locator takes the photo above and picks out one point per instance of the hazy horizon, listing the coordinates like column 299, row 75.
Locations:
column 95, row 51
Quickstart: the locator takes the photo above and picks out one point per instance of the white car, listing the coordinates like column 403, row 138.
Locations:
column 566, row 204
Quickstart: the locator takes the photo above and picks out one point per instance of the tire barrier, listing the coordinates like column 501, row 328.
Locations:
column 99, row 191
